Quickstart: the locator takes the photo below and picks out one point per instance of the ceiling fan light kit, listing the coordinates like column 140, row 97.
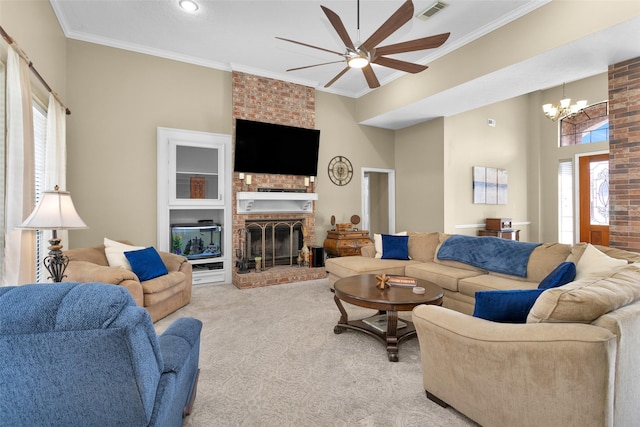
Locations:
column 362, row 55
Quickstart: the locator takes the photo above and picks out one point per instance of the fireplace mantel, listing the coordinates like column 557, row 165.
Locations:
column 259, row 202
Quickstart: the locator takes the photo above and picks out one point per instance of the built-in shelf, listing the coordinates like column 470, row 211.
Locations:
column 259, row 202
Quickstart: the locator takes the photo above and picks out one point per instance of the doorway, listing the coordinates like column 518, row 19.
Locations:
column 378, row 201
column 594, row 199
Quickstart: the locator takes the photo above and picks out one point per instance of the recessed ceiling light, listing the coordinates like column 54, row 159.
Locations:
column 188, row 5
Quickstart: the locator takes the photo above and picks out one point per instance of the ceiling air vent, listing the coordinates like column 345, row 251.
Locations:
column 431, row 10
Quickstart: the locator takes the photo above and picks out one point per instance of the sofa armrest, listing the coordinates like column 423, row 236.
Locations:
column 545, row 374
column 180, row 348
column 368, row 251
column 178, row 341
column 84, row 271
column 172, row 261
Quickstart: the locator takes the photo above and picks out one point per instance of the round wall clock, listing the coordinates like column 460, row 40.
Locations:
column 340, row 170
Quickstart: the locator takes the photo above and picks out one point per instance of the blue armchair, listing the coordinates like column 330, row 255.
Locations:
column 85, row 354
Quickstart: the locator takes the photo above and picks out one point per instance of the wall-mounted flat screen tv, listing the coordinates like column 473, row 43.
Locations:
column 275, row 149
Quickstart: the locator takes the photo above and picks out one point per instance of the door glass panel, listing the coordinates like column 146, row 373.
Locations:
column 599, row 190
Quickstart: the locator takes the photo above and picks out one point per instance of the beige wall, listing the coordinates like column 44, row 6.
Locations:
column 420, row 180
column 364, row 146
column 434, row 163
column 470, row 142
column 119, row 99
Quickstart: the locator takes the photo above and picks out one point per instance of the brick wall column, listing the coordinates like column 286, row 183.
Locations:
column 624, row 157
column 272, row 101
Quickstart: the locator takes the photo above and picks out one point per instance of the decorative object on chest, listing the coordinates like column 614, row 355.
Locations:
column 500, row 227
column 498, row 224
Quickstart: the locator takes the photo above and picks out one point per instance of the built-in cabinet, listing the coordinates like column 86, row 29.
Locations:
column 194, row 189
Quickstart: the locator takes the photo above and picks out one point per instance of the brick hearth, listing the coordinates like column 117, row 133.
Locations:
column 273, row 101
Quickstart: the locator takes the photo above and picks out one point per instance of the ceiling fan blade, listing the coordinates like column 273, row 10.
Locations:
column 413, row 45
column 407, row 67
column 314, row 65
column 337, row 24
column 311, row 46
column 340, row 74
column 372, row 80
column 395, row 21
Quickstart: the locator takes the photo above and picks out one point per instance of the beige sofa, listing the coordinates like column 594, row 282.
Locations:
column 460, row 281
column 574, row 363
column 160, row 296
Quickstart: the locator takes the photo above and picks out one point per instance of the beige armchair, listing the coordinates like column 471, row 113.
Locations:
column 160, row 296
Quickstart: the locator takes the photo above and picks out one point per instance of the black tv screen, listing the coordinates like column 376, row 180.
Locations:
column 275, row 149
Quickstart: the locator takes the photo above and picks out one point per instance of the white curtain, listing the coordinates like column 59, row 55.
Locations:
column 19, row 256
column 55, row 164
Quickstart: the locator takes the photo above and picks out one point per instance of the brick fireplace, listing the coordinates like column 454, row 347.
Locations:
column 272, row 101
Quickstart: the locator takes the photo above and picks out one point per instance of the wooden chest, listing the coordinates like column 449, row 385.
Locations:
column 498, row 224
column 346, row 243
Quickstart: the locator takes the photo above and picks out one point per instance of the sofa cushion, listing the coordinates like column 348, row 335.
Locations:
column 578, row 249
column 487, row 282
column 395, row 247
column 444, row 276
column 561, row 275
column 377, row 242
column 542, row 261
column 585, row 300
column 594, row 261
column 352, row 265
column 510, row 306
column 114, row 252
column 146, row 263
column 161, row 288
column 422, row 246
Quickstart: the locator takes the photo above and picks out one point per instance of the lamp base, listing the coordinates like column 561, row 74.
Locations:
column 55, row 262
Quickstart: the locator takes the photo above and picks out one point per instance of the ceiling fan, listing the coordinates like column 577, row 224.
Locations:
column 362, row 55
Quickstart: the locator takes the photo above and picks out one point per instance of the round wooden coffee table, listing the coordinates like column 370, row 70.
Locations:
column 362, row 291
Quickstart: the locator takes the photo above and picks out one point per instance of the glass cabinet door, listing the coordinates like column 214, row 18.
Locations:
column 198, row 173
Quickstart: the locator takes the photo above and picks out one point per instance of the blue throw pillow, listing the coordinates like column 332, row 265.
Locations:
column 395, row 247
column 510, row 306
column 146, row 263
column 561, row 275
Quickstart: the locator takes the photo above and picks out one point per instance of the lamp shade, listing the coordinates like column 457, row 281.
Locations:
column 55, row 211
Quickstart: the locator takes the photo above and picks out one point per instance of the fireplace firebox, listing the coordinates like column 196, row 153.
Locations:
column 276, row 242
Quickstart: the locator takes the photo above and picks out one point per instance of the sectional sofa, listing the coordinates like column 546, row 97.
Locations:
column 573, row 362
column 460, row 281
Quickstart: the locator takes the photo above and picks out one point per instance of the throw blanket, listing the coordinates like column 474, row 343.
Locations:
column 489, row 253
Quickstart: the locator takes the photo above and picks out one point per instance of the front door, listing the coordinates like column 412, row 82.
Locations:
column 594, row 199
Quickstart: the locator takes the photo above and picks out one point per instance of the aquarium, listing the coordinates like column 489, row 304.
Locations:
column 196, row 241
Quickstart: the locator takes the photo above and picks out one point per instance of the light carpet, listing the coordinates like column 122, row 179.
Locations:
column 269, row 357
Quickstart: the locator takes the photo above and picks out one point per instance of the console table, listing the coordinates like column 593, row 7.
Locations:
column 346, row 243
column 503, row 234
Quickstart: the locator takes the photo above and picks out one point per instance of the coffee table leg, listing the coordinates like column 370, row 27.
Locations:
column 343, row 317
column 392, row 335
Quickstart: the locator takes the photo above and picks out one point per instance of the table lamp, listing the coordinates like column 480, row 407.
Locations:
column 55, row 211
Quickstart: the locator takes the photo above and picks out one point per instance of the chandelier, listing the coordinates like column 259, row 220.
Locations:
column 564, row 109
